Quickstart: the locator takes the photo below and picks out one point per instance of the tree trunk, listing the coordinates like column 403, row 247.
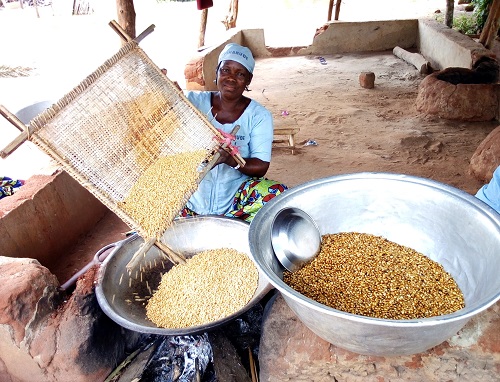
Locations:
column 491, row 25
column 448, row 17
column 126, row 16
column 203, row 27
column 337, row 9
column 232, row 15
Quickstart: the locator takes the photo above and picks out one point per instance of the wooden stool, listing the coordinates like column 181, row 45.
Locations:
column 289, row 132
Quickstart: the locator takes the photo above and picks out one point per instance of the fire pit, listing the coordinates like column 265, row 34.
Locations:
column 448, row 225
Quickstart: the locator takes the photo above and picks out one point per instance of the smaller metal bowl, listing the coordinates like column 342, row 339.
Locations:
column 115, row 290
column 295, row 238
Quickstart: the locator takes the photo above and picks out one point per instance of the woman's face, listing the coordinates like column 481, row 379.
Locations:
column 232, row 78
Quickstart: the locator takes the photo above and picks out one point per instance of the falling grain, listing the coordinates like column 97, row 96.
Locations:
column 162, row 190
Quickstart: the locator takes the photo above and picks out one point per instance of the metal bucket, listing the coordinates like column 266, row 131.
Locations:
column 115, row 289
column 448, row 225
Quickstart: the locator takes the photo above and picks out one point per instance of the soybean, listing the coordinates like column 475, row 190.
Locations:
column 371, row 276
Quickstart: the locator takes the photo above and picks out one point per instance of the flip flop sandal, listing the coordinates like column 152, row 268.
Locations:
column 322, row 60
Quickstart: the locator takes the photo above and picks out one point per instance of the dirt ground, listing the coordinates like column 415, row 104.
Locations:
column 359, row 129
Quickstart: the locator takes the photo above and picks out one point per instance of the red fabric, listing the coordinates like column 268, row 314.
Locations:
column 203, row 4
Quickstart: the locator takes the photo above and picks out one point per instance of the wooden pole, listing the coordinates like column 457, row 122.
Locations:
column 203, row 27
column 491, row 25
column 330, row 9
column 448, row 17
column 337, row 9
column 36, row 8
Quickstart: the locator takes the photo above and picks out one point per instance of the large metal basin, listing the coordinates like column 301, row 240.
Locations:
column 446, row 224
column 187, row 236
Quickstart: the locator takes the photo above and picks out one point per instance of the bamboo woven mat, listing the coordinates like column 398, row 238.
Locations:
column 115, row 125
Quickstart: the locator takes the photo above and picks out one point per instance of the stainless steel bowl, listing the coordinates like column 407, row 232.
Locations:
column 187, row 236
column 446, row 224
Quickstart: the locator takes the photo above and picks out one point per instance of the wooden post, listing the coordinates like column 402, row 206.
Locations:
column 491, row 25
column 448, row 17
column 337, row 9
column 330, row 9
column 203, row 27
column 36, row 8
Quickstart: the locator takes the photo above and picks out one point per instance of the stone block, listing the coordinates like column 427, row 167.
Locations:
column 46, row 336
column 464, row 102
column 48, row 215
column 486, row 158
column 367, row 80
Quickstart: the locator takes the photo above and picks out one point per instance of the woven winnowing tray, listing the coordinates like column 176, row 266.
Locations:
column 129, row 136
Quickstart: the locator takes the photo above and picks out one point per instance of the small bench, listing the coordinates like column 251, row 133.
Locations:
column 289, row 133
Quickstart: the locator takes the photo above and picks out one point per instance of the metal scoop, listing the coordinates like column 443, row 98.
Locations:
column 295, row 238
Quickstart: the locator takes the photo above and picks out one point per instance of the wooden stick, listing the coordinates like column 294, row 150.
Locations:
column 175, row 258
column 120, row 31
column 253, row 368
column 337, row 9
column 12, row 118
column 12, row 146
column 146, row 32
column 237, row 157
column 203, row 28
column 490, row 28
column 125, row 37
column 330, row 10
column 20, row 139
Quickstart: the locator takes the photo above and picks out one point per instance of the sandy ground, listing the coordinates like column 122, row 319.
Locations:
column 359, row 129
column 355, row 129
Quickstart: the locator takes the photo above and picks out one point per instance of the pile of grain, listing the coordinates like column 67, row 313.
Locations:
column 371, row 276
column 210, row 286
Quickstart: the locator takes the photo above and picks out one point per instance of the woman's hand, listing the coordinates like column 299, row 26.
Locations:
column 253, row 166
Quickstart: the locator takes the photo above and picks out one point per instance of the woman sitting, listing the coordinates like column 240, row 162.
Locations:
column 230, row 189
